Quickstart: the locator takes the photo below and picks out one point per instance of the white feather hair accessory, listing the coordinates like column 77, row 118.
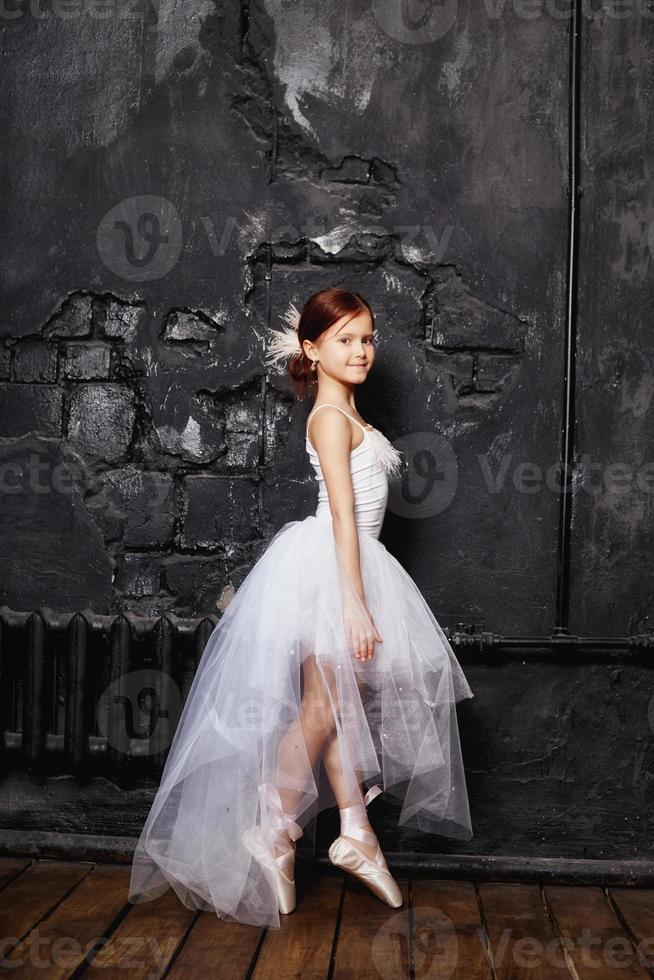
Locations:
column 284, row 343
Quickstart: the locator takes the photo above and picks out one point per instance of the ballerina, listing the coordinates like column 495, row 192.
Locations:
column 327, row 662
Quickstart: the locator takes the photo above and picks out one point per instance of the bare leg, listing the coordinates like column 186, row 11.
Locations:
column 333, row 764
column 307, row 736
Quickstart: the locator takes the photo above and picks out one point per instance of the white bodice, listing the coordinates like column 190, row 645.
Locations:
column 371, row 463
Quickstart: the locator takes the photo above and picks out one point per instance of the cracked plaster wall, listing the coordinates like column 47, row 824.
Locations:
column 173, row 180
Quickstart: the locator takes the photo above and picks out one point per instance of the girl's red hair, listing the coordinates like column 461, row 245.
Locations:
column 318, row 313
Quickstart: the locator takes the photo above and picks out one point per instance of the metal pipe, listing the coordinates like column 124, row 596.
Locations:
column 466, row 635
column 626, row 872
column 570, row 348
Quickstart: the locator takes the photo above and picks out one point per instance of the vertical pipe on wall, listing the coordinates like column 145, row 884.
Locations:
column 566, row 460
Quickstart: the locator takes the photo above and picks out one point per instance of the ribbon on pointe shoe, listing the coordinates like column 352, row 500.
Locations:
column 372, row 793
column 352, row 817
column 278, row 822
column 279, row 818
column 262, row 840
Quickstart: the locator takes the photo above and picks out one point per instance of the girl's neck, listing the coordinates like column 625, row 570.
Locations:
column 338, row 394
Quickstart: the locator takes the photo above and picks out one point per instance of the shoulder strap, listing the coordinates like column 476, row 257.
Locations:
column 324, row 405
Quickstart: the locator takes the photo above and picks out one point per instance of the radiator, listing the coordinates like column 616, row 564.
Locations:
column 85, row 694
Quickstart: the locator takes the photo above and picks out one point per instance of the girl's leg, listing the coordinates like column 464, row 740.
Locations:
column 307, row 736
column 333, row 764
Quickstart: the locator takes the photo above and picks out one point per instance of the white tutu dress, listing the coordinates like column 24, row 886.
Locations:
column 240, row 730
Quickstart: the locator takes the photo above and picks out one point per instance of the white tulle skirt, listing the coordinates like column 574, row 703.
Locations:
column 246, row 721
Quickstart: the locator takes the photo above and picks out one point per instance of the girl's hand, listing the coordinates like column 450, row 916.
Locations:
column 360, row 629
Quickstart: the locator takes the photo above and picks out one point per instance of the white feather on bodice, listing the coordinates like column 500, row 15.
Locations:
column 384, row 453
column 388, row 457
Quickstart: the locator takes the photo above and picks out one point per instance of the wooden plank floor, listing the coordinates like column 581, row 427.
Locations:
column 71, row 919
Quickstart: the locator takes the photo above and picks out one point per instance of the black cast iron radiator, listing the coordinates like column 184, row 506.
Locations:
column 90, row 695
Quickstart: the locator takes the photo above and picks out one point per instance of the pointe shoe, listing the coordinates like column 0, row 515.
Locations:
column 373, row 872
column 261, row 844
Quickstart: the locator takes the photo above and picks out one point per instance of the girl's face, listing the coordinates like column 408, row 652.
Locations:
column 346, row 350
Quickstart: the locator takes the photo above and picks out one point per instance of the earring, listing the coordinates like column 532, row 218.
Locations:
column 313, row 365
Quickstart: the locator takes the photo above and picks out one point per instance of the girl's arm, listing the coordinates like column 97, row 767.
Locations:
column 331, row 436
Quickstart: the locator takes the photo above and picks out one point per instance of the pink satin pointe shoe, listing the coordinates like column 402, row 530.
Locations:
column 261, row 843
column 373, row 872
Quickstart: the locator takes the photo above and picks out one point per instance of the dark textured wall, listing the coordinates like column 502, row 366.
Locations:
column 277, row 141
column 173, row 178
column 613, row 587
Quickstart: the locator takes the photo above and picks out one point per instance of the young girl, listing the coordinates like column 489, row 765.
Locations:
column 326, row 673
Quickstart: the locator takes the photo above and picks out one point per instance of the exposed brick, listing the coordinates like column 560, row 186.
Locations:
column 196, row 582
column 457, row 367
column 35, row 362
column 137, row 575
column 241, row 434
column 219, row 511
column 27, row 408
column 119, row 318
column 352, row 170
column 5, row 363
column 182, row 325
column 136, row 505
column 463, row 320
column 355, row 170
column 101, row 420
column 382, row 172
column 278, row 420
column 85, row 362
column 73, row 318
column 242, row 451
